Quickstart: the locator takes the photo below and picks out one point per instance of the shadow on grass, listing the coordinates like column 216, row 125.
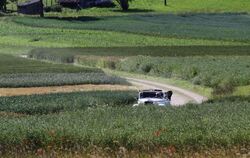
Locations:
column 80, row 18
column 135, row 11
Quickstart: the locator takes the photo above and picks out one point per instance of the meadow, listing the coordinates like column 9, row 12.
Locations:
column 77, row 124
column 20, row 72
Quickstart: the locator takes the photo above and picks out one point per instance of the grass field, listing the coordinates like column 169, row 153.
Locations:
column 77, row 123
column 187, row 26
column 157, row 6
column 13, row 34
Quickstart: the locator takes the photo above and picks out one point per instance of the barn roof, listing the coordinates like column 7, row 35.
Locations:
column 28, row 3
column 68, row 1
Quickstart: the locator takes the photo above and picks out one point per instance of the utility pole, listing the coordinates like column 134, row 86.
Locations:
column 165, row 2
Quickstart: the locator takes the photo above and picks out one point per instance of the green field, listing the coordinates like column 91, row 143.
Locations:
column 77, row 123
column 157, row 6
column 187, row 26
column 13, row 34
column 67, row 55
column 222, row 68
column 20, row 72
column 201, row 45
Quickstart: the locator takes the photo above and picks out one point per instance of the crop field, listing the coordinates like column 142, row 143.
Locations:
column 13, row 34
column 67, row 55
column 217, row 67
column 190, row 26
column 204, row 43
column 55, row 103
column 78, row 124
column 20, row 72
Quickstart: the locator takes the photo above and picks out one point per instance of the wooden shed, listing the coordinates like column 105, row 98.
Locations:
column 31, row 7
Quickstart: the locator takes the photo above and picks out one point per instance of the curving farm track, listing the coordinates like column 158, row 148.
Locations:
column 180, row 96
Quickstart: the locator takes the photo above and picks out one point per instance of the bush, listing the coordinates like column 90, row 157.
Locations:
column 53, row 8
column 225, row 87
column 203, row 70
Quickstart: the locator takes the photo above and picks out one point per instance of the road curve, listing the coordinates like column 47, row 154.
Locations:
column 180, row 96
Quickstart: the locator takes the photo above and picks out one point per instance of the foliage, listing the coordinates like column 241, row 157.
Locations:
column 222, row 73
column 219, row 123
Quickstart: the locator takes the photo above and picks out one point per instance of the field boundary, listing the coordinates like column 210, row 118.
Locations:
column 61, row 89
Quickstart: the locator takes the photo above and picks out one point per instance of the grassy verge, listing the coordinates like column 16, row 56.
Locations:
column 242, row 91
column 205, row 91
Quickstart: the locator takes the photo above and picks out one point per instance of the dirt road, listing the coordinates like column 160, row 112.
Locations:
column 180, row 96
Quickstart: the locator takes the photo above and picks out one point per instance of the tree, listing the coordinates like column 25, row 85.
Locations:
column 3, row 5
column 124, row 4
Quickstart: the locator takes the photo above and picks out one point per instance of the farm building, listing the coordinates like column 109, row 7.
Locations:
column 85, row 3
column 32, row 7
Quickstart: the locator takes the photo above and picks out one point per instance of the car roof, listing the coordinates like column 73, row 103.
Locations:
column 151, row 90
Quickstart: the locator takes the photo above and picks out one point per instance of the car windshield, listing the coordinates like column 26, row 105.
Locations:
column 151, row 95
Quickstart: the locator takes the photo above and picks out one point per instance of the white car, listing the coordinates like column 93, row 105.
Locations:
column 154, row 97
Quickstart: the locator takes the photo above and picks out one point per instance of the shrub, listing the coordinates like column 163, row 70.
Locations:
column 225, row 87
column 53, row 8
